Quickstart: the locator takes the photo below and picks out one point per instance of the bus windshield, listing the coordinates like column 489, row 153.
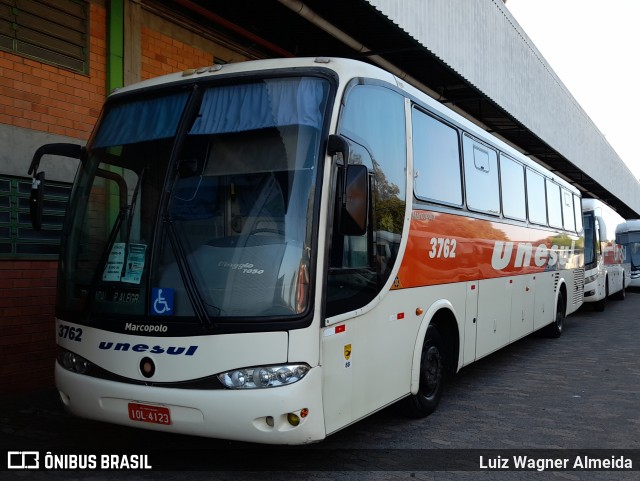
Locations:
column 590, row 247
column 199, row 211
column 633, row 250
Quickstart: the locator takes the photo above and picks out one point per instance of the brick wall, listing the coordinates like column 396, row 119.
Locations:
column 27, row 337
column 41, row 97
column 162, row 55
column 37, row 96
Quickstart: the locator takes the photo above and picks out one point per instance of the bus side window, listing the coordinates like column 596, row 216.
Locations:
column 481, row 177
column 373, row 120
column 436, row 158
column 514, row 205
column 554, row 207
column 351, row 282
column 568, row 210
column 577, row 207
column 536, row 198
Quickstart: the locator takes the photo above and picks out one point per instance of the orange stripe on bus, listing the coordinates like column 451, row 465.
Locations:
column 446, row 248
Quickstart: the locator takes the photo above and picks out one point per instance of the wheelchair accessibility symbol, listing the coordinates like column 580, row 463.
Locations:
column 161, row 301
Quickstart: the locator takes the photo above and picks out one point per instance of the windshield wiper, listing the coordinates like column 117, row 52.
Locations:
column 132, row 206
column 104, row 257
column 190, row 286
column 124, row 211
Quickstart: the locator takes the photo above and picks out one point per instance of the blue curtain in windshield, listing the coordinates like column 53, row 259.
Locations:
column 141, row 121
column 272, row 103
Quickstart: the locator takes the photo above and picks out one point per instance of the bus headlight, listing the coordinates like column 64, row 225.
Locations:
column 590, row 279
column 263, row 376
column 72, row 362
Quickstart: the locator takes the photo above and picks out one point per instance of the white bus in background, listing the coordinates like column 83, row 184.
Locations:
column 628, row 235
column 605, row 273
column 270, row 251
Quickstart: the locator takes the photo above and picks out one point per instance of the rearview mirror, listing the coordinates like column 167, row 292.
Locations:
column 353, row 194
column 602, row 229
column 355, row 201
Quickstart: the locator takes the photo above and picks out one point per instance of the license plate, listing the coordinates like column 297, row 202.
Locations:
column 149, row 414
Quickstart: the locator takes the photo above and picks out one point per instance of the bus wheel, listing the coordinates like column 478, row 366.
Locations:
column 602, row 303
column 554, row 329
column 432, row 374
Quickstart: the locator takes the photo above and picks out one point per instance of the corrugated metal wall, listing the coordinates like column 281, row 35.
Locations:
column 482, row 41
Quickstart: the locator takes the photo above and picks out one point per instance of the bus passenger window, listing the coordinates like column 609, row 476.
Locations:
column 481, row 177
column 553, row 204
column 577, row 208
column 567, row 210
column 536, row 200
column 512, row 186
column 436, row 158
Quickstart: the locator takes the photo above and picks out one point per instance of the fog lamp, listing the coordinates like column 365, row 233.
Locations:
column 293, row 419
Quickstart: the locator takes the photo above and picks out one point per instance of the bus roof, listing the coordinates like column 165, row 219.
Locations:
column 589, row 204
column 346, row 69
column 632, row 225
column 342, row 66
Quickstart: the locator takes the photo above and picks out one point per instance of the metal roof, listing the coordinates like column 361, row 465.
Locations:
column 267, row 28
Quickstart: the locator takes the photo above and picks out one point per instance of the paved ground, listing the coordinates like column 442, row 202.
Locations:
column 578, row 392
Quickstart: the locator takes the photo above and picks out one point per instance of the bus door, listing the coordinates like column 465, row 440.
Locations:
column 358, row 377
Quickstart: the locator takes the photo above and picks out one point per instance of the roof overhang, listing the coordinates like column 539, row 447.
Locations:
column 269, row 28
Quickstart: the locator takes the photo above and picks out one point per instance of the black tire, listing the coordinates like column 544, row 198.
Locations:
column 554, row 330
column 602, row 303
column 432, row 376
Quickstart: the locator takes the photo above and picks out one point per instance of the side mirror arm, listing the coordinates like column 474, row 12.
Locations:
column 339, row 146
column 36, row 198
column 66, row 150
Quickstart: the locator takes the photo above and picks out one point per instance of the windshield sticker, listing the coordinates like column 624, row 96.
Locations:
column 161, row 301
column 114, row 266
column 135, row 263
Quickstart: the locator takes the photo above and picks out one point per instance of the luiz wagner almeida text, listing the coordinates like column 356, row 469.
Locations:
column 542, row 464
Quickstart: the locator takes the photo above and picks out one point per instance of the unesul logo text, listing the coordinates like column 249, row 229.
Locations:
column 126, row 346
column 525, row 254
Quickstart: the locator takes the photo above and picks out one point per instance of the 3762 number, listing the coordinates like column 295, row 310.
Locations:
column 71, row 333
column 442, row 248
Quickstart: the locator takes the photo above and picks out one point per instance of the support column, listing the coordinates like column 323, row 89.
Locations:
column 115, row 44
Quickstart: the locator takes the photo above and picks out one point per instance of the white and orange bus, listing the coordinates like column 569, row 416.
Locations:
column 607, row 273
column 270, row 251
column 628, row 236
